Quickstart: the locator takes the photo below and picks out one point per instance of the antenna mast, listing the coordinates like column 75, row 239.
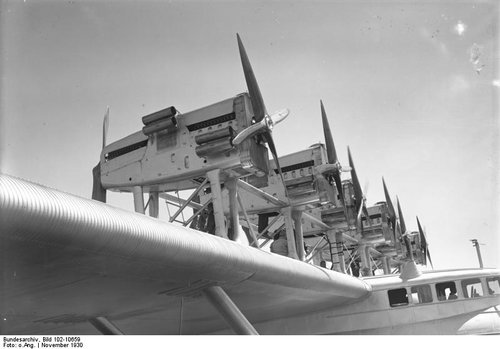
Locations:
column 475, row 243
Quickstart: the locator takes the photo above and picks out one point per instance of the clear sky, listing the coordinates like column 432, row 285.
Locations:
column 411, row 87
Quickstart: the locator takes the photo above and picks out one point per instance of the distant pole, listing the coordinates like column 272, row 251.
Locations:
column 475, row 243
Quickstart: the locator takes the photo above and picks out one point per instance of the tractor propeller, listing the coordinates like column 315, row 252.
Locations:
column 423, row 245
column 390, row 207
column 331, row 153
column 401, row 218
column 358, row 193
column 397, row 232
column 98, row 191
column 264, row 123
column 404, row 233
column 403, row 238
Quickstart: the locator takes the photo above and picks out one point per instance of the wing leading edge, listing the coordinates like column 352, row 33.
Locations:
column 67, row 259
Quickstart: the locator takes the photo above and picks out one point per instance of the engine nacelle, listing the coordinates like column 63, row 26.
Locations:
column 175, row 151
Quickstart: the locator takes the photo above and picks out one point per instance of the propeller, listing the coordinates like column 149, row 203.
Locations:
column 402, row 238
column 105, row 126
column 397, row 232
column 358, row 192
column 423, row 244
column 264, row 123
column 390, row 206
column 401, row 218
column 331, row 153
column 404, row 233
column 98, row 192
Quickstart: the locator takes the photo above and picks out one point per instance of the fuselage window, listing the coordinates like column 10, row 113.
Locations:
column 493, row 285
column 472, row 288
column 421, row 294
column 446, row 291
column 398, row 297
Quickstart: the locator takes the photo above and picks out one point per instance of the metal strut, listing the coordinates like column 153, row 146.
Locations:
column 188, row 200
column 154, row 205
column 252, row 239
column 261, row 194
column 105, row 326
column 313, row 252
column 138, row 199
column 197, row 213
column 229, row 311
column 220, row 220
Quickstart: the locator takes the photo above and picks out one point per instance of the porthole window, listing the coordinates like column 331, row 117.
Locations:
column 398, row 297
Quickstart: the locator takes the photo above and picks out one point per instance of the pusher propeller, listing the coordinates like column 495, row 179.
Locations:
column 264, row 122
column 423, row 244
column 98, row 192
column 331, row 153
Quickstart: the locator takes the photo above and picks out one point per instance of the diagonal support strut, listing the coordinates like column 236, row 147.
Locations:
column 229, row 311
column 105, row 326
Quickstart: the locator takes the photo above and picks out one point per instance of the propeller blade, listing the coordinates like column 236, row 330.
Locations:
column 399, row 237
column 270, row 143
column 279, row 116
column 259, row 109
column 408, row 246
column 250, row 131
column 421, row 231
column 390, row 206
column 397, row 232
column 359, row 223
column 403, row 232
column 358, row 193
column 422, row 234
column 331, row 153
column 98, row 192
column 330, row 146
column 338, row 184
column 424, row 244
column 401, row 219
column 105, row 126
column 429, row 257
column 367, row 215
column 261, row 126
column 365, row 209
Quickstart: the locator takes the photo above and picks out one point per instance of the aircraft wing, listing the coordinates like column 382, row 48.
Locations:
column 65, row 260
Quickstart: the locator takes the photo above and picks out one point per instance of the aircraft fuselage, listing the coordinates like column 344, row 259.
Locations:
column 417, row 306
